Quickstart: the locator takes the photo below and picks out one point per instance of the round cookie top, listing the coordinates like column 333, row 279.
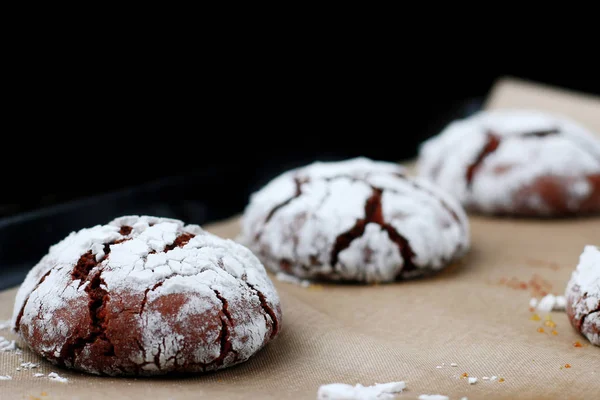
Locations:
column 358, row 220
column 583, row 289
column 186, row 297
column 485, row 159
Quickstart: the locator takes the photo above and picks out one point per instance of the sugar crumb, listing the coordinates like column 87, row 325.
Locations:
column 5, row 377
column 56, row 378
column 472, row 380
column 37, row 374
column 454, row 365
column 433, row 397
column 339, row 391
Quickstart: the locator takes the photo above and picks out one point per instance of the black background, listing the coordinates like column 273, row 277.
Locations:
column 195, row 149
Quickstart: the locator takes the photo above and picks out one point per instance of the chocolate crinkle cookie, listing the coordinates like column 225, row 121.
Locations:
column 147, row 296
column 355, row 220
column 583, row 295
column 516, row 162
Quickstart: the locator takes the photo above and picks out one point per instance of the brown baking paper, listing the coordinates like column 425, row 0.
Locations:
column 474, row 314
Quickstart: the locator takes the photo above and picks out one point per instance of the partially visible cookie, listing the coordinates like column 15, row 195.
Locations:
column 147, row 296
column 355, row 220
column 583, row 295
column 516, row 162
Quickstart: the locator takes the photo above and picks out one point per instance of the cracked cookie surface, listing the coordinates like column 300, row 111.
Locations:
column 583, row 295
column 516, row 162
column 147, row 296
column 356, row 220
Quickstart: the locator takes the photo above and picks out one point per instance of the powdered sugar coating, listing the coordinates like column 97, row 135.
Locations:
column 160, row 306
column 353, row 220
column 537, row 153
column 583, row 295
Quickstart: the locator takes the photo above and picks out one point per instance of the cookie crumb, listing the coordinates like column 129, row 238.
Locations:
column 577, row 344
column 501, row 380
column 433, row 397
column 7, row 345
column 535, row 317
column 551, row 302
column 533, row 302
column 472, row 380
column 56, row 378
column 567, row 365
column 382, row 391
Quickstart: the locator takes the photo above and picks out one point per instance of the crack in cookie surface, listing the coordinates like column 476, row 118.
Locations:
column 374, row 214
column 491, row 145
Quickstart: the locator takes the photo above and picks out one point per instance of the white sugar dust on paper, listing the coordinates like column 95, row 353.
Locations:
column 342, row 391
column 53, row 376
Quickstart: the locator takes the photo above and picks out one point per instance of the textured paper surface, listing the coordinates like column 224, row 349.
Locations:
column 400, row 331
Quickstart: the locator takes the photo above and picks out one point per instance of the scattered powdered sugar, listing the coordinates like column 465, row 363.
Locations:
column 4, row 325
column 29, row 365
column 472, row 380
column 518, row 160
column 53, row 376
column 7, row 345
column 533, row 302
column 453, row 364
column 549, row 303
column 37, row 375
column 486, row 378
column 212, row 273
column 493, row 378
column 342, row 391
column 294, row 223
column 5, row 377
column 283, row 277
column 433, row 397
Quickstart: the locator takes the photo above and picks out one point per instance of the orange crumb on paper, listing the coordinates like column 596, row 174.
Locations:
column 567, row 365
column 577, row 344
column 44, row 394
column 465, row 375
column 538, row 286
column 540, row 330
column 34, row 398
column 535, row 317
column 554, row 333
column 550, row 324
column 501, row 380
